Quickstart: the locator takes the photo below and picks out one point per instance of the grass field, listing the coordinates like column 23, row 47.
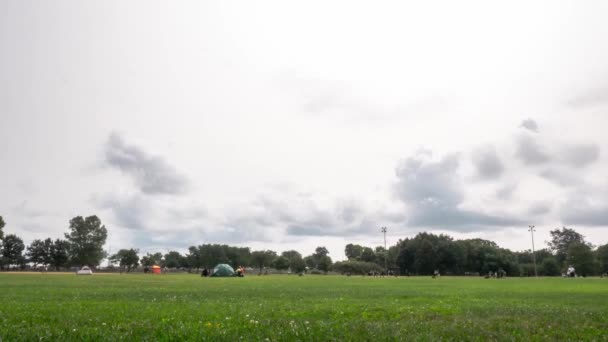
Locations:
column 319, row 308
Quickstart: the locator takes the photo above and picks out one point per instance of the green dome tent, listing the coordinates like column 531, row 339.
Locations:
column 223, row 270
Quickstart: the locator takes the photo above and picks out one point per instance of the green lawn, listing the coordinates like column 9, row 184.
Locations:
column 319, row 308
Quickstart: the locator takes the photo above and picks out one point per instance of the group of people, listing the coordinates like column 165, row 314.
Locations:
column 498, row 274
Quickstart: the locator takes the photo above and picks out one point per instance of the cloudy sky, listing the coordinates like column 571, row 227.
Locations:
column 286, row 125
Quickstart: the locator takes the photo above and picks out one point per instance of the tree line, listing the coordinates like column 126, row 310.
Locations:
column 83, row 245
column 420, row 255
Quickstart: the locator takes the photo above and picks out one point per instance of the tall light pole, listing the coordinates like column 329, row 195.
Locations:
column 383, row 229
column 532, row 230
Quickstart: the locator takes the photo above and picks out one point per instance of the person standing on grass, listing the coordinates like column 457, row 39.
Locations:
column 571, row 272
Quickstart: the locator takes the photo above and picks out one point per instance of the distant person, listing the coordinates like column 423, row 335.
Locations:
column 146, row 270
column 501, row 273
column 571, row 272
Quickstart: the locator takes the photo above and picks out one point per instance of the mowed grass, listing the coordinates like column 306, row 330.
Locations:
column 309, row 308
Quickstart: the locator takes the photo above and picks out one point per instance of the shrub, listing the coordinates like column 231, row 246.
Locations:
column 356, row 267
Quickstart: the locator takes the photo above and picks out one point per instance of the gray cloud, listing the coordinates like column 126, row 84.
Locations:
column 530, row 125
column 434, row 182
column 456, row 219
column 580, row 155
column 150, row 214
column 24, row 209
column 487, row 163
column 349, row 211
column 308, row 231
column 33, row 227
column 506, row 192
column 539, row 208
column 130, row 212
column 313, row 229
column 561, row 176
column 152, row 174
column 531, row 152
column 299, row 215
column 434, row 194
column 586, row 205
column 564, row 172
column 585, row 214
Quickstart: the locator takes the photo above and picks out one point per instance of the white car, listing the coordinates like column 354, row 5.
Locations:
column 85, row 271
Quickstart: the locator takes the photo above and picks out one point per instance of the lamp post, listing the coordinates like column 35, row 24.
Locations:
column 532, row 230
column 383, row 230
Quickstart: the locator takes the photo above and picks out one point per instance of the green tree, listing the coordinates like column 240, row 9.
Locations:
column 426, row 258
column 406, row 256
column 310, row 261
column 317, row 256
column 427, row 252
column 581, row 257
column 602, row 257
column 321, row 251
column 12, row 250
column 355, row 267
column 60, row 254
column 367, row 255
column 126, row 258
column 526, row 270
column 174, row 259
column 549, row 267
column 212, row 254
column 86, row 237
column 39, row 252
column 353, row 252
column 193, row 257
column 380, row 254
column 561, row 241
column 152, row 259
column 292, row 254
column 296, row 264
column 263, row 259
column 1, row 226
column 324, row 263
column 280, row 263
column 238, row 256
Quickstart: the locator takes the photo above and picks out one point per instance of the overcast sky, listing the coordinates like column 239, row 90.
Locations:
column 281, row 125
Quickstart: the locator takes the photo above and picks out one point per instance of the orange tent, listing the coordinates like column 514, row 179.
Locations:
column 156, row 269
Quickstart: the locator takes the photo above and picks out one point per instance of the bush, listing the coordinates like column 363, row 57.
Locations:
column 549, row 267
column 526, row 270
column 356, row 267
